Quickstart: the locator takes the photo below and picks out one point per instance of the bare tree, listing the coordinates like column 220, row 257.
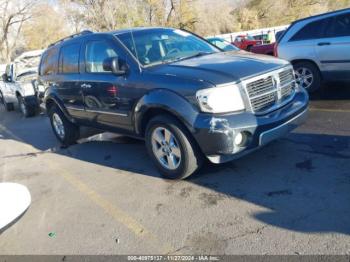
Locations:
column 13, row 14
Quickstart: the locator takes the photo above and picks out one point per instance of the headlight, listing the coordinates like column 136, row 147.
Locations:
column 222, row 99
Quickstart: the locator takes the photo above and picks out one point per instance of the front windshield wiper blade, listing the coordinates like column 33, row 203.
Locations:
column 180, row 58
column 192, row 56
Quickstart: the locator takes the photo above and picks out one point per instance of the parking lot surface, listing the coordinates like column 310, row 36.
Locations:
column 103, row 195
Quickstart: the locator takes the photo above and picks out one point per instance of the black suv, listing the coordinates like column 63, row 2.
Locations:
column 187, row 98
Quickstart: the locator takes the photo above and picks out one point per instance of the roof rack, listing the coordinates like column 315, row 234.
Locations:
column 85, row 32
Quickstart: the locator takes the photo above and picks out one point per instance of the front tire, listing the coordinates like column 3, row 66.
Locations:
column 65, row 131
column 172, row 148
column 26, row 110
column 308, row 76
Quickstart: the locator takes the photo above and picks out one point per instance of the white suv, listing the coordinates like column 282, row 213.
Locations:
column 319, row 48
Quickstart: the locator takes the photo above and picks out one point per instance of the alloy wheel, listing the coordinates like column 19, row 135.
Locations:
column 22, row 107
column 58, row 125
column 166, row 148
column 304, row 77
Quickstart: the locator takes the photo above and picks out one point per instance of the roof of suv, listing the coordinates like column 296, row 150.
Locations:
column 116, row 32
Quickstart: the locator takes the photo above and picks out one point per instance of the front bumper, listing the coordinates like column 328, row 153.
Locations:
column 215, row 134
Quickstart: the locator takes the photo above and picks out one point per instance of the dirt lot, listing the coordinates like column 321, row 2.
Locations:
column 103, row 196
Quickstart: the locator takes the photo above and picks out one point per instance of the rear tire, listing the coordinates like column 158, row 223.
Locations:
column 171, row 148
column 65, row 131
column 26, row 110
column 308, row 76
column 8, row 106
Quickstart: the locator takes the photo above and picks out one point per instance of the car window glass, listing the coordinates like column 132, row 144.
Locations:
column 157, row 46
column 340, row 26
column 69, row 58
column 49, row 62
column 25, row 75
column 220, row 44
column 313, row 30
column 96, row 53
column 42, row 65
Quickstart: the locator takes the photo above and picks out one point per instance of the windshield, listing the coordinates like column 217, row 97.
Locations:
column 22, row 65
column 223, row 44
column 156, row 46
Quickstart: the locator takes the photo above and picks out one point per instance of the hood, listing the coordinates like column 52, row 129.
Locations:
column 222, row 68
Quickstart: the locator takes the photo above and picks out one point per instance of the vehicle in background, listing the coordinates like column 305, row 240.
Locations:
column 263, row 49
column 267, row 49
column 222, row 44
column 319, row 49
column 246, row 42
column 185, row 97
column 18, row 86
column 262, row 37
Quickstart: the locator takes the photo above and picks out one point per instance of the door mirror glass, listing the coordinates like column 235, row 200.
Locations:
column 115, row 65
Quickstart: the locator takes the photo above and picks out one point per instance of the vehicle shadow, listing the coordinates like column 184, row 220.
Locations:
column 333, row 91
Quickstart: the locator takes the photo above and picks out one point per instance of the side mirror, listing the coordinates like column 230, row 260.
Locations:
column 115, row 65
column 4, row 77
column 7, row 78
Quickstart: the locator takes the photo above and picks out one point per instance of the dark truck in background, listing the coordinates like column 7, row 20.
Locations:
column 186, row 98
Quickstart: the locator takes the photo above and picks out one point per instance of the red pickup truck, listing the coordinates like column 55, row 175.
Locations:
column 263, row 49
column 267, row 49
column 246, row 42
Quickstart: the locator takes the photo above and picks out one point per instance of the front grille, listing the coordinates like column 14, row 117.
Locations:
column 286, row 77
column 270, row 90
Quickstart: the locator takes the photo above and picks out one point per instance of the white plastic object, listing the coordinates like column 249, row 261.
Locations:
column 14, row 201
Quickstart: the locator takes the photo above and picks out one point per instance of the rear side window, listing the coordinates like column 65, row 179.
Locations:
column 340, row 26
column 313, row 30
column 96, row 53
column 69, row 59
column 49, row 62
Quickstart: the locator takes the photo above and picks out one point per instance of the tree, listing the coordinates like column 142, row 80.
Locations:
column 13, row 14
column 46, row 27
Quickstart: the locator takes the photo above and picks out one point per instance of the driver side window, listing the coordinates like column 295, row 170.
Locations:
column 96, row 53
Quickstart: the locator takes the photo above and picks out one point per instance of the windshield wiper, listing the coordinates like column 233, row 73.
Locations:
column 198, row 54
column 193, row 56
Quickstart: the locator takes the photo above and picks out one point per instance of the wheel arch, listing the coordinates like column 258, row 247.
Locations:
column 295, row 61
column 51, row 101
column 163, row 102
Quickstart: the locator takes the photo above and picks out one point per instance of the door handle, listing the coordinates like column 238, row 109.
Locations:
column 85, row 86
column 323, row 43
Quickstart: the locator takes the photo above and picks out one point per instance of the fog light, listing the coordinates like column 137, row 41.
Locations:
column 240, row 139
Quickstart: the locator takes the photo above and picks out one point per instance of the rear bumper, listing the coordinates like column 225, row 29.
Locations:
column 216, row 134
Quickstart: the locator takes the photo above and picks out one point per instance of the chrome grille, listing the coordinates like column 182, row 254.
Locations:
column 260, row 86
column 287, row 90
column 263, row 102
column 271, row 90
column 286, row 77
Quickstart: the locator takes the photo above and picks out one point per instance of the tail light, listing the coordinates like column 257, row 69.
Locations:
column 112, row 90
column 275, row 49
